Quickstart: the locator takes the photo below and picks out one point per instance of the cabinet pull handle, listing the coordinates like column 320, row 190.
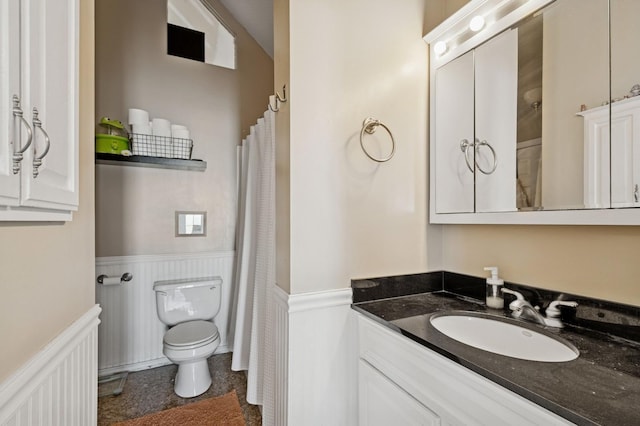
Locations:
column 37, row 159
column 635, row 193
column 464, row 147
column 493, row 153
column 18, row 154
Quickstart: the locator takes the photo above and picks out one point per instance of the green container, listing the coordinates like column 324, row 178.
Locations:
column 111, row 144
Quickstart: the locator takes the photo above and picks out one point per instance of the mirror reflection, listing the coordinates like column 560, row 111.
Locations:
column 625, row 107
column 563, row 69
column 191, row 224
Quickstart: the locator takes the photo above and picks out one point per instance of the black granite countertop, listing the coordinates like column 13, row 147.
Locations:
column 601, row 386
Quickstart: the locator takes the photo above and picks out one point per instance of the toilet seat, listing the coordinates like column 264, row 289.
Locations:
column 191, row 334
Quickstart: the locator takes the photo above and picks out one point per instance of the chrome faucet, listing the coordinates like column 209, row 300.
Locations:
column 521, row 308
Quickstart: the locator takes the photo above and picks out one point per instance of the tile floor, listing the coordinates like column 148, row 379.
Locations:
column 151, row 390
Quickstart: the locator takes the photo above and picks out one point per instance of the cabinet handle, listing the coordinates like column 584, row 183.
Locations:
column 493, row 153
column 635, row 193
column 464, row 147
column 18, row 154
column 37, row 159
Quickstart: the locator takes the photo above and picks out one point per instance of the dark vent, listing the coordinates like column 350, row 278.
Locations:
column 185, row 42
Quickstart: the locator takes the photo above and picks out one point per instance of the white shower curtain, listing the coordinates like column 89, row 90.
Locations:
column 255, row 261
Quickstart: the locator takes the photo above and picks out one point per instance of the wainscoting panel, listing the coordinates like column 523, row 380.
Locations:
column 130, row 334
column 58, row 386
column 314, row 360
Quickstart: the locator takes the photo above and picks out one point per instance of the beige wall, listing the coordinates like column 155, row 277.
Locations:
column 575, row 71
column 594, row 261
column 47, row 270
column 437, row 11
column 625, row 59
column 136, row 206
column 283, row 140
column 340, row 215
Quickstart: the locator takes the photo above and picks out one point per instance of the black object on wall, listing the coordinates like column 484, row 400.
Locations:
column 185, row 42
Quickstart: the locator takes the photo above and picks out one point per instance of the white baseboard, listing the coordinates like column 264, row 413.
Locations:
column 59, row 384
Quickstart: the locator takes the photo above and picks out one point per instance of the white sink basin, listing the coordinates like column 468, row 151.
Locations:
column 504, row 337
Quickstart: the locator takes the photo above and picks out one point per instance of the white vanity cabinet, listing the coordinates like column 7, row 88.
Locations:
column 38, row 109
column 474, row 106
column 384, row 403
column 612, row 171
column 402, row 382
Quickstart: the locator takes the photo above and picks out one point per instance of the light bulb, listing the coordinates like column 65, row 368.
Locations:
column 476, row 23
column 440, row 47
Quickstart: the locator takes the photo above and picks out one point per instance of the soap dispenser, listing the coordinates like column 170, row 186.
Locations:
column 494, row 286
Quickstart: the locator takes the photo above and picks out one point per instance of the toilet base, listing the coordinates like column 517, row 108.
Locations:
column 192, row 379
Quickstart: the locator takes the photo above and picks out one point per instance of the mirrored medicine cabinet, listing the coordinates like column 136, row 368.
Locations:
column 535, row 113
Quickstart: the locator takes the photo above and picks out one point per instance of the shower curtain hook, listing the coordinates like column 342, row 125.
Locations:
column 279, row 99
column 284, row 93
column 276, row 109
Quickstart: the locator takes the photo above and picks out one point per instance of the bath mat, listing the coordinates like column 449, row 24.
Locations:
column 221, row 410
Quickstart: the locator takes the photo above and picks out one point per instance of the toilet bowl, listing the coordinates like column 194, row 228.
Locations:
column 189, row 345
column 188, row 306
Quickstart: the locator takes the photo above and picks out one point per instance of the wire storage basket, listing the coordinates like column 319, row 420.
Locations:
column 161, row 146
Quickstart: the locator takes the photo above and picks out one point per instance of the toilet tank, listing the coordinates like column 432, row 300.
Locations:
column 188, row 299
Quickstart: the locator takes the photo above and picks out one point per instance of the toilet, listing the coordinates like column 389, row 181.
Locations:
column 188, row 307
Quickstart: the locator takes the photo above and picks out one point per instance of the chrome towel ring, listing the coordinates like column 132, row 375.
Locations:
column 369, row 125
column 493, row 153
column 464, row 147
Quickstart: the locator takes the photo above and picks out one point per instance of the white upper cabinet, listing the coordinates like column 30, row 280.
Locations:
column 10, row 141
column 475, row 129
column 534, row 115
column 39, row 80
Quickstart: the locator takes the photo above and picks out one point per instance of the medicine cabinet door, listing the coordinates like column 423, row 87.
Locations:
column 475, row 128
column 496, row 89
column 454, row 92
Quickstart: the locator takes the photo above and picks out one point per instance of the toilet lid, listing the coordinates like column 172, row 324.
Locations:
column 191, row 333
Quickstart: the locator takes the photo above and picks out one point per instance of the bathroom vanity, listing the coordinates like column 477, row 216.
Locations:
column 409, row 370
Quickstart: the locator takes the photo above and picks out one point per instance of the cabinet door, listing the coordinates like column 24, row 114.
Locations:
column 454, row 123
column 597, row 170
column 9, row 86
column 383, row 403
column 625, row 155
column 496, row 112
column 50, row 83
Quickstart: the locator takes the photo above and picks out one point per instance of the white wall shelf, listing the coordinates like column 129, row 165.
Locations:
column 154, row 162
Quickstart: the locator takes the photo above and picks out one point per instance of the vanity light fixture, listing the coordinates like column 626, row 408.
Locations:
column 476, row 23
column 440, row 48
